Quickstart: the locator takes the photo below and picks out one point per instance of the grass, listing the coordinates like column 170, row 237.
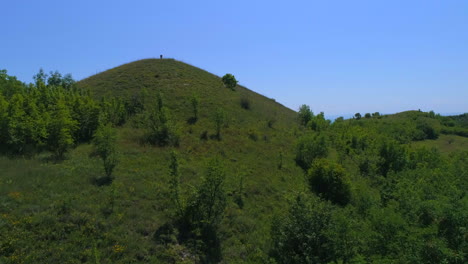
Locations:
column 59, row 206
column 445, row 143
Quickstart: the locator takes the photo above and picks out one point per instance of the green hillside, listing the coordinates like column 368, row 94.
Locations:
column 178, row 82
column 255, row 140
column 237, row 179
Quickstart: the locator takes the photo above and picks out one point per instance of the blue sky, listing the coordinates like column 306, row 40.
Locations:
column 340, row 57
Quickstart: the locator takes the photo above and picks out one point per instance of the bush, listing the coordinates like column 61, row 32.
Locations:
column 328, row 180
column 229, row 81
column 161, row 130
column 104, row 144
column 253, row 134
column 219, row 120
column 204, row 135
column 245, row 103
column 309, row 148
column 301, row 236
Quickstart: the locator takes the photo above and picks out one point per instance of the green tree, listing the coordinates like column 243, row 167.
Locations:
column 319, row 123
column 229, row 81
column 40, row 78
column 174, row 184
column 67, row 81
column 86, row 112
column 309, row 148
column 206, row 210
column 305, row 115
column 392, row 157
column 219, row 120
column 328, row 180
column 301, row 235
column 160, row 128
column 55, row 79
column 3, row 120
column 104, row 144
column 61, row 130
column 357, row 116
column 195, row 101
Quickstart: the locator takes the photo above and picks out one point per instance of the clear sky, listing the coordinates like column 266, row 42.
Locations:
column 340, row 57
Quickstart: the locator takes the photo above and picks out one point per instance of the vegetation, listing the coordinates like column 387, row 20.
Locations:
column 280, row 187
column 104, row 142
column 229, row 81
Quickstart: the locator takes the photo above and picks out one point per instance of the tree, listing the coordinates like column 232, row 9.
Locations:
column 357, row 116
column 392, row 157
column 104, row 144
column 319, row 123
column 309, row 148
column 229, row 81
column 206, row 210
column 3, row 120
column 55, row 79
column 174, row 184
column 195, row 101
column 40, row 77
column 367, row 115
column 67, row 81
column 219, row 118
column 301, row 235
column 61, row 130
column 305, row 115
column 160, row 128
column 328, row 180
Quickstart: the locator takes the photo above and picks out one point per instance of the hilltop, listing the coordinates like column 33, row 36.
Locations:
column 178, row 82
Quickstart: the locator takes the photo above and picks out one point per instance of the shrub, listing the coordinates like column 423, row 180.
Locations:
column 253, row 135
column 309, row 148
column 229, row 81
column 219, row 120
column 104, row 144
column 160, row 128
column 301, row 236
column 328, row 180
column 204, row 135
column 245, row 103
column 195, row 101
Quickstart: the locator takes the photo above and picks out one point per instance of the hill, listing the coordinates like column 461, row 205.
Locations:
column 178, row 82
column 256, row 150
column 274, row 186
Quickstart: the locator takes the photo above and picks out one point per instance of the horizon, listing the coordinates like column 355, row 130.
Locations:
column 337, row 58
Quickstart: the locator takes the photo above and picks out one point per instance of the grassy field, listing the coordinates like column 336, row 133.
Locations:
column 445, row 143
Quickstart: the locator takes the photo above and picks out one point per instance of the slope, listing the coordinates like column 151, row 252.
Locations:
column 178, row 82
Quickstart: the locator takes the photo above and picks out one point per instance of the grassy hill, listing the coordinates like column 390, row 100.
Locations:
column 178, row 82
column 252, row 141
column 369, row 210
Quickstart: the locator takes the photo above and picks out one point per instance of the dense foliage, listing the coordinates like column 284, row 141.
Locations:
column 51, row 114
column 390, row 203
